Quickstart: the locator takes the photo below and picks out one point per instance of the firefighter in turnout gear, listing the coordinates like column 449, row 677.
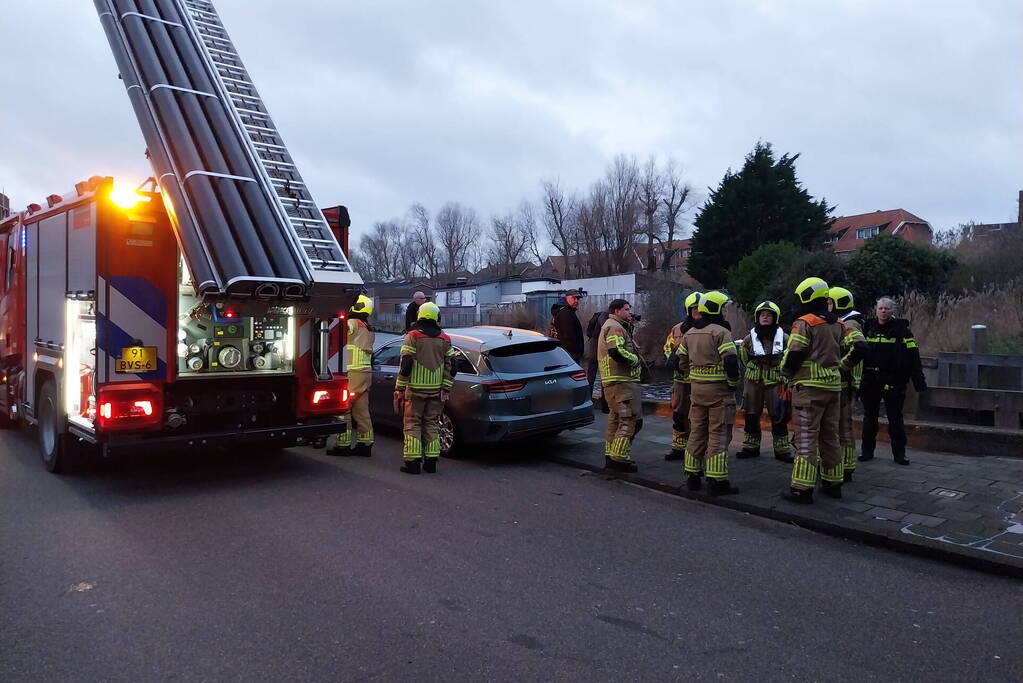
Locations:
column 358, row 362
column 425, row 376
column 707, row 356
column 854, row 345
column 680, row 387
column 811, row 367
column 761, row 353
column 619, row 365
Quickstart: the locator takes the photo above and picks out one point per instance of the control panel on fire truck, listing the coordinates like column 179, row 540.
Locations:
column 215, row 339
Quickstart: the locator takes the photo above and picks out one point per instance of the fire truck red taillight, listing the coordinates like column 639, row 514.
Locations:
column 124, row 407
column 324, row 398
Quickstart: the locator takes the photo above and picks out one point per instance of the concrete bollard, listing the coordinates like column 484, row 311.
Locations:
column 978, row 339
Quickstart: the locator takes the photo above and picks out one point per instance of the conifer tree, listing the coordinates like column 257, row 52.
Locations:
column 764, row 202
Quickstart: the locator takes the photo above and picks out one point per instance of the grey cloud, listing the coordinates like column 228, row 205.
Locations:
column 907, row 104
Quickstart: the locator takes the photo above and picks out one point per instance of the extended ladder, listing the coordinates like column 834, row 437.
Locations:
column 247, row 224
column 308, row 223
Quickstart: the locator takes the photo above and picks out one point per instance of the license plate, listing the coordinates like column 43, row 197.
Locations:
column 551, row 402
column 136, row 359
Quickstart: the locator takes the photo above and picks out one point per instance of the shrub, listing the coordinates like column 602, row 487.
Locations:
column 888, row 265
column 942, row 322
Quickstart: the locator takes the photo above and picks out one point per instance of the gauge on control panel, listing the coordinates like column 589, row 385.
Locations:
column 229, row 357
column 194, row 363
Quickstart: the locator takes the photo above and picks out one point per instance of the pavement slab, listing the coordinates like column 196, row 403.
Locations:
column 964, row 509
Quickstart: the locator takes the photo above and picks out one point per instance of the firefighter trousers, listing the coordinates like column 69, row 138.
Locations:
column 756, row 398
column 845, row 429
column 360, row 425
column 680, row 405
column 816, row 413
column 421, row 425
column 623, row 401
column 710, row 429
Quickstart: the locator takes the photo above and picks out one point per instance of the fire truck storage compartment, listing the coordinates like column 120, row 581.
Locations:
column 46, row 251
column 80, row 361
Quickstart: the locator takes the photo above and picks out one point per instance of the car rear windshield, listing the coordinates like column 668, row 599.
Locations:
column 538, row 356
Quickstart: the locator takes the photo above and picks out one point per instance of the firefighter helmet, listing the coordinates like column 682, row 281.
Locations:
column 692, row 301
column 363, row 305
column 842, row 297
column 429, row 311
column 767, row 306
column 812, row 289
column 713, row 303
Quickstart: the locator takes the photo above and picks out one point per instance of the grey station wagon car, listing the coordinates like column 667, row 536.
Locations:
column 510, row 384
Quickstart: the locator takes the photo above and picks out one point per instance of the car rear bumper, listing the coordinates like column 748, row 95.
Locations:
column 512, row 427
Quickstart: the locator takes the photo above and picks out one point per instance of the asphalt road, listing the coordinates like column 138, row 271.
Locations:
column 297, row 566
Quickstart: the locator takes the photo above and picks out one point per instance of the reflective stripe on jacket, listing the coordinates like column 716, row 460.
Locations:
column 358, row 353
column 613, row 335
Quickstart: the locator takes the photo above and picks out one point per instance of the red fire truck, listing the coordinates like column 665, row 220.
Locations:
column 200, row 309
column 104, row 341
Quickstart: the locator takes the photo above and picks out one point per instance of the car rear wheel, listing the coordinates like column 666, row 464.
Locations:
column 448, row 436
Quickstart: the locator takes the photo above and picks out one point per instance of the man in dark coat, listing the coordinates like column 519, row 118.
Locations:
column 892, row 361
column 565, row 324
column 412, row 311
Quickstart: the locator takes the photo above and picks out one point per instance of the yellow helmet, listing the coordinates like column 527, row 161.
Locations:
column 363, row 305
column 429, row 311
column 768, row 306
column 842, row 297
column 712, row 303
column 691, row 301
column 812, row 289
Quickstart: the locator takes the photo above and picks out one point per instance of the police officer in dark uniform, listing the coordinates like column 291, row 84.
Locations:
column 892, row 360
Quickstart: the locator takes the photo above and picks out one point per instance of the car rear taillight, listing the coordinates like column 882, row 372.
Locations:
column 503, row 386
column 124, row 407
column 579, row 376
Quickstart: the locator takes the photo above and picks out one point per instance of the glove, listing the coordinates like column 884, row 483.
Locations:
column 397, row 404
column 920, row 385
column 445, row 395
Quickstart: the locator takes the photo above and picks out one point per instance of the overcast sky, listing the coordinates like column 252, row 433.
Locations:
column 917, row 105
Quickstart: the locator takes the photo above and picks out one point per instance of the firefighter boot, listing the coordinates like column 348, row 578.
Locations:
column 619, row 465
column 750, row 438
column 721, row 487
column 847, row 476
column 342, row 443
column 694, row 482
column 675, row 454
column 801, row 496
column 411, row 467
column 831, row 490
column 364, row 450
column 430, row 465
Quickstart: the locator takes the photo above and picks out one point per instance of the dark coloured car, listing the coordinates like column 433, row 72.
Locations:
column 510, row 384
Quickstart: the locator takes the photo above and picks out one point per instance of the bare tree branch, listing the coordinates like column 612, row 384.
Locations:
column 651, row 190
column 422, row 237
column 678, row 199
column 458, row 230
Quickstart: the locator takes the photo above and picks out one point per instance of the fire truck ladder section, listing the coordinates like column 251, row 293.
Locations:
column 245, row 220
